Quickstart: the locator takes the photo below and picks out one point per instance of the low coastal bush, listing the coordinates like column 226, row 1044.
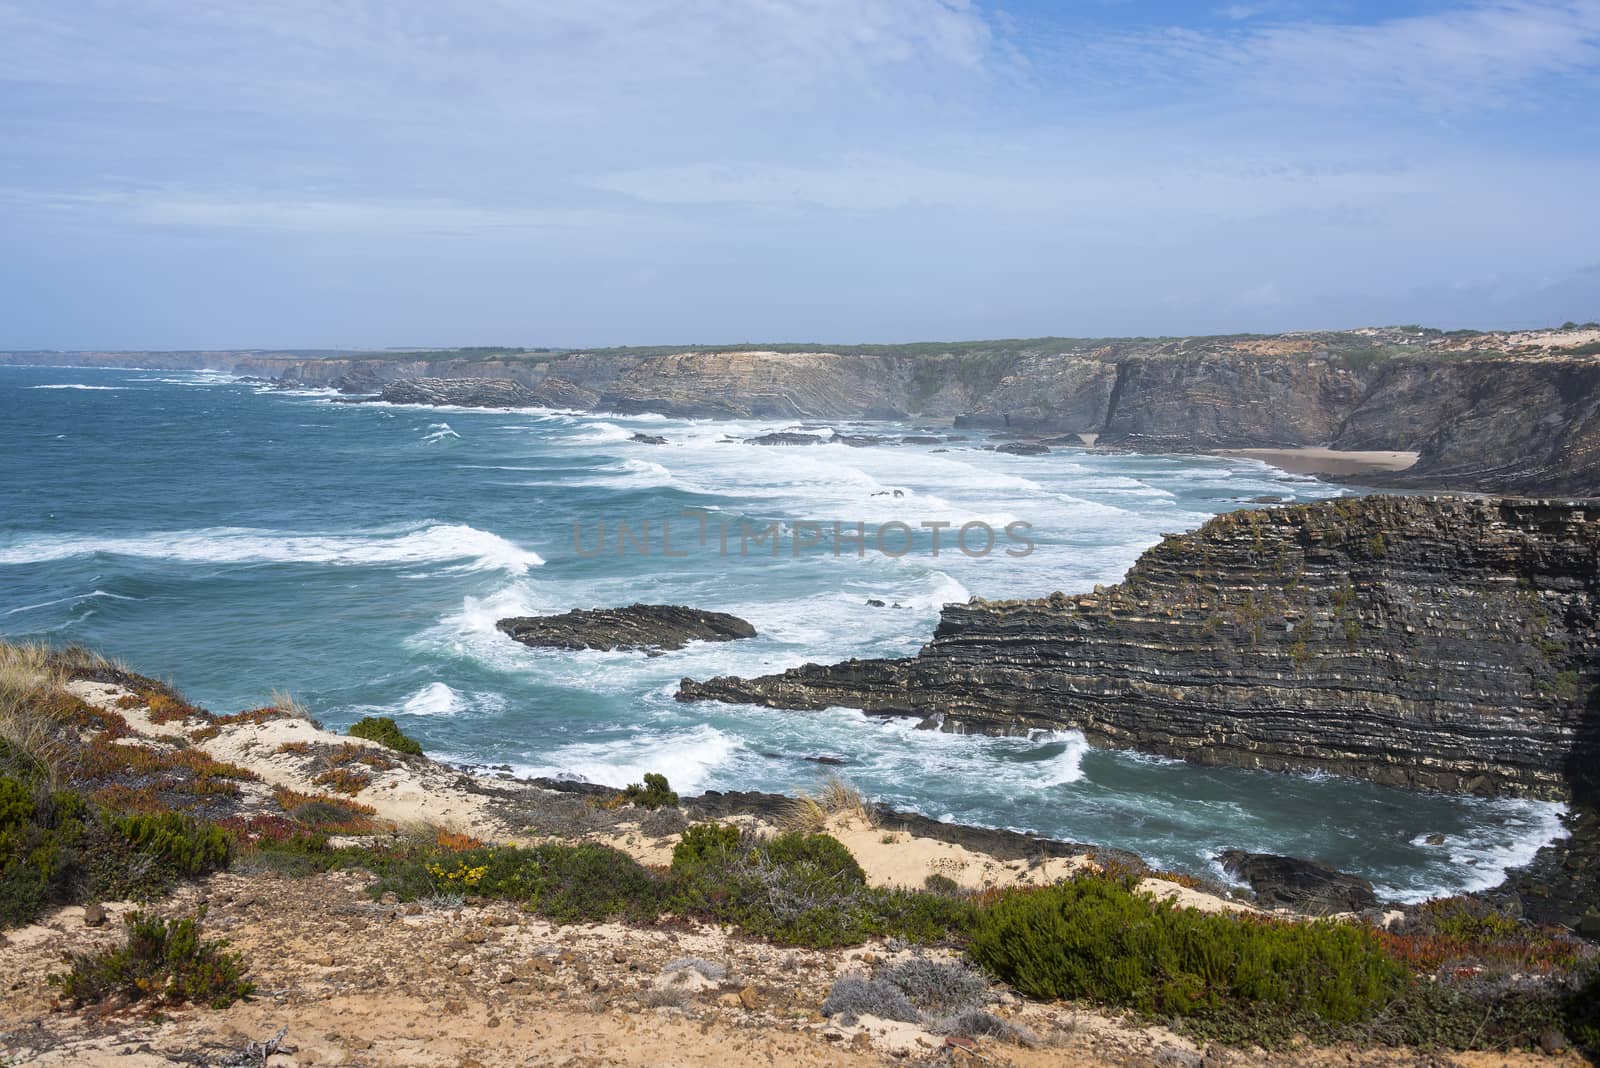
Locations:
column 800, row 889
column 583, row 883
column 939, row 988
column 385, row 731
column 166, row 960
column 944, row 996
column 40, row 833
column 1096, row 938
column 855, row 995
column 1472, row 1011
column 653, row 793
column 56, row 849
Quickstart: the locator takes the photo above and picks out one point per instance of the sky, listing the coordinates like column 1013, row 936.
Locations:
column 339, row 173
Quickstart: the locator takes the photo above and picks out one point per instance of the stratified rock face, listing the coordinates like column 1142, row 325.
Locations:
column 745, row 385
column 1305, row 885
column 1216, row 401
column 1429, row 642
column 638, row 626
column 1487, row 424
column 486, row 393
column 1052, row 394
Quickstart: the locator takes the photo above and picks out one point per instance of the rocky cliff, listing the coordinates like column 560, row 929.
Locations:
column 743, row 385
column 1494, row 412
column 485, row 393
column 1433, row 643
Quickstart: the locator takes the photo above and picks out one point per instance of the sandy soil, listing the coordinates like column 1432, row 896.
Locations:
column 370, row 983
column 1319, row 461
column 1554, row 339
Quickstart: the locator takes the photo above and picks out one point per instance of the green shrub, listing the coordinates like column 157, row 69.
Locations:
column 827, row 854
column 1097, row 939
column 16, row 804
column 582, row 883
column 654, row 793
column 800, row 889
column 704, row 843
column 41, row 834
column 189, row 848
column 162, row 959
column 385, row 731
column 54, row 850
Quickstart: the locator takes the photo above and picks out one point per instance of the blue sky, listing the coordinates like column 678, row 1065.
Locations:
column 212, row 173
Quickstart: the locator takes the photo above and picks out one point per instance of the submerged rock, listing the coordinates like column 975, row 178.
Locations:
column 1023, row 448
column 1289, row 882
column 648, row 439
column 786, row 437
column 650, row 627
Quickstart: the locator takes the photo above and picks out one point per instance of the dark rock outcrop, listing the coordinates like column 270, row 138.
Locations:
column 1487, row 425
column 637, row 626
column 1562, row 884
column 1023, row 448
column 1434, row 643
column 1303, row 885
column 786, row 437
column 648, row 439
column 1215, row 401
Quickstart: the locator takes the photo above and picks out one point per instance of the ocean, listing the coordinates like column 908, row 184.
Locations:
column 236, row 540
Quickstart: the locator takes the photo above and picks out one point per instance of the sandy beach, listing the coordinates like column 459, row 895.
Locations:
column 1320, row 461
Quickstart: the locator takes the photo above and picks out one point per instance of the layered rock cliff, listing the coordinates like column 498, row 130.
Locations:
column 1434, row 643
column 1494, row 412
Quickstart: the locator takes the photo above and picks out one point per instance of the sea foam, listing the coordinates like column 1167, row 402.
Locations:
column 438, row 543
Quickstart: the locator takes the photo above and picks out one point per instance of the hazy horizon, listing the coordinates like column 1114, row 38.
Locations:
column 401, row 349
column 186, row 177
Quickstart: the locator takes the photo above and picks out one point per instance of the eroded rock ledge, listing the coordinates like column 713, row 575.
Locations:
column 1435, row 643
column 651, row 627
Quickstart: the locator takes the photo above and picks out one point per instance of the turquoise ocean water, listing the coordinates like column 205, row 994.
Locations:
column 236, row 540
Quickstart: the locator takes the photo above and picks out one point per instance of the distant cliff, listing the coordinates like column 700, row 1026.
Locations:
column 1433, row 643
column 1493, row 412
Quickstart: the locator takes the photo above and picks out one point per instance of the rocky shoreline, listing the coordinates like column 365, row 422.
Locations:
column 1492, row 412
column 1426, row 643
column 1432, row 643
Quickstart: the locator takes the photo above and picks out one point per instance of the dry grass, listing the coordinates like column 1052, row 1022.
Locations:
column 809, row 814
column 36, row 742
column 287, row 705
column 26, row 670
column 803, row 815
column 30, row 675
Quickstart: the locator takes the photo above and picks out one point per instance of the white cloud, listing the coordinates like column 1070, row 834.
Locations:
column 1456, row 59
column 317, row 216
column 413, row 58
